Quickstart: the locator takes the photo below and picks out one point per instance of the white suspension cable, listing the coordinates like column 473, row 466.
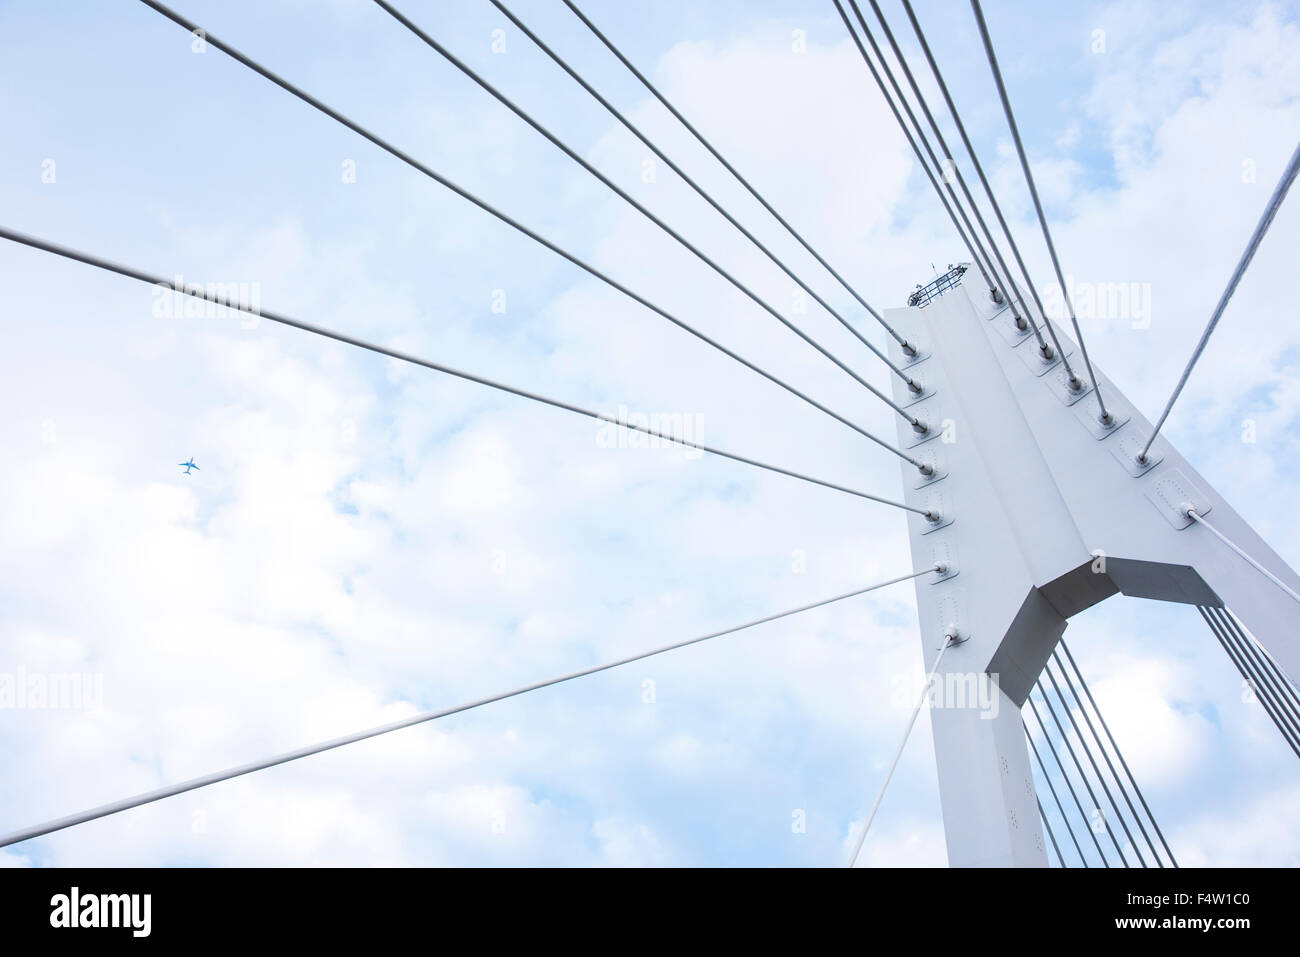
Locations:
column 704, row 194
column 1266, row 220
column 925, row 693
column 428, row 171
column 1191, row 513
column 645, row 211
column 1281, row 673
column 222, row 298
column 912, row 126
column 908, row 348
column 171, row 790
column 1071, row 377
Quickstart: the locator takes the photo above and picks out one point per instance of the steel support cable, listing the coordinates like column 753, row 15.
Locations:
column 1104, row 416
column 1261, row 228
column 487, row 207
column 1071, row 377
column 1110, row 765
column 1087, row 750
column 1048, row 827
column 221, row 300
column 911, row 141
column 1282, row 676
column 907, row 733
column 969, row 236
column 1262, row 689
column 1283, row 679
column 1201, row 520
column 988, row 189
column 1055, row 797
column 170, row 790
column 1282, row 694
column 1083, row 815
column 1240, row 663
column 1106, row 755
column 703, row 194
column 645, row 211
column 1007, row 289
column 1092, row 795
column 984, row 181
column 907, row 347
column 1118, row 753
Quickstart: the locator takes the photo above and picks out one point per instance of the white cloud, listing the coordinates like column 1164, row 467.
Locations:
column 365, row 539
column 1263, row 833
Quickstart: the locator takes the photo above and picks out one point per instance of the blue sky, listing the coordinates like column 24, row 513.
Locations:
column 367, row 539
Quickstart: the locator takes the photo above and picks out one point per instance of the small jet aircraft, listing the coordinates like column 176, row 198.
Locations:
column 189, row 465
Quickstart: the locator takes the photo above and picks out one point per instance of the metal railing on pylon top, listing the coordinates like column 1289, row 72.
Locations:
column 922, row 296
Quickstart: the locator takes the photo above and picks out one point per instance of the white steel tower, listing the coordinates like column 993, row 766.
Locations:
column 1043, row 511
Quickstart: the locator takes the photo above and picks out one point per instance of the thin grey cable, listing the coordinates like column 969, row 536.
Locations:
column 907, row 733
column 1092, row 795
column 222, row 300
column 1027, row 320
column 703, row 194
column 1202, row 520
column 1261, row 228
column 1110, row 765
column 1055, row 797
column 1043, row 347
column 1263, row 691
column 1282, row 695
column 1240, row 663
column 1087, row 750
column 1072, row 377
column 482, row 204
column 645, row 211
column 1283, row 678
column 911, row 141
column 1008, row 292
column 1262, row 695
column 171, row 790
column 1083, row 815
column 1118, row 753
column 1123, row 789
column 1103, row 416
column 1048, row 826
column 969, row 235
column 907, row 347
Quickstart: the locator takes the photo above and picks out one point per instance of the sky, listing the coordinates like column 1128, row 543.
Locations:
column 366, row 539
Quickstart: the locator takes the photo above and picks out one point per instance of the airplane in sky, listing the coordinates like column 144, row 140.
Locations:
column 189, row 465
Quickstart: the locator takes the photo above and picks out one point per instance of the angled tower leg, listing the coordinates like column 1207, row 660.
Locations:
column 1044, row 512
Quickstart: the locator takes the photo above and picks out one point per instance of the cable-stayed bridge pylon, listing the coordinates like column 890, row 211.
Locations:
column 1044, row 512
